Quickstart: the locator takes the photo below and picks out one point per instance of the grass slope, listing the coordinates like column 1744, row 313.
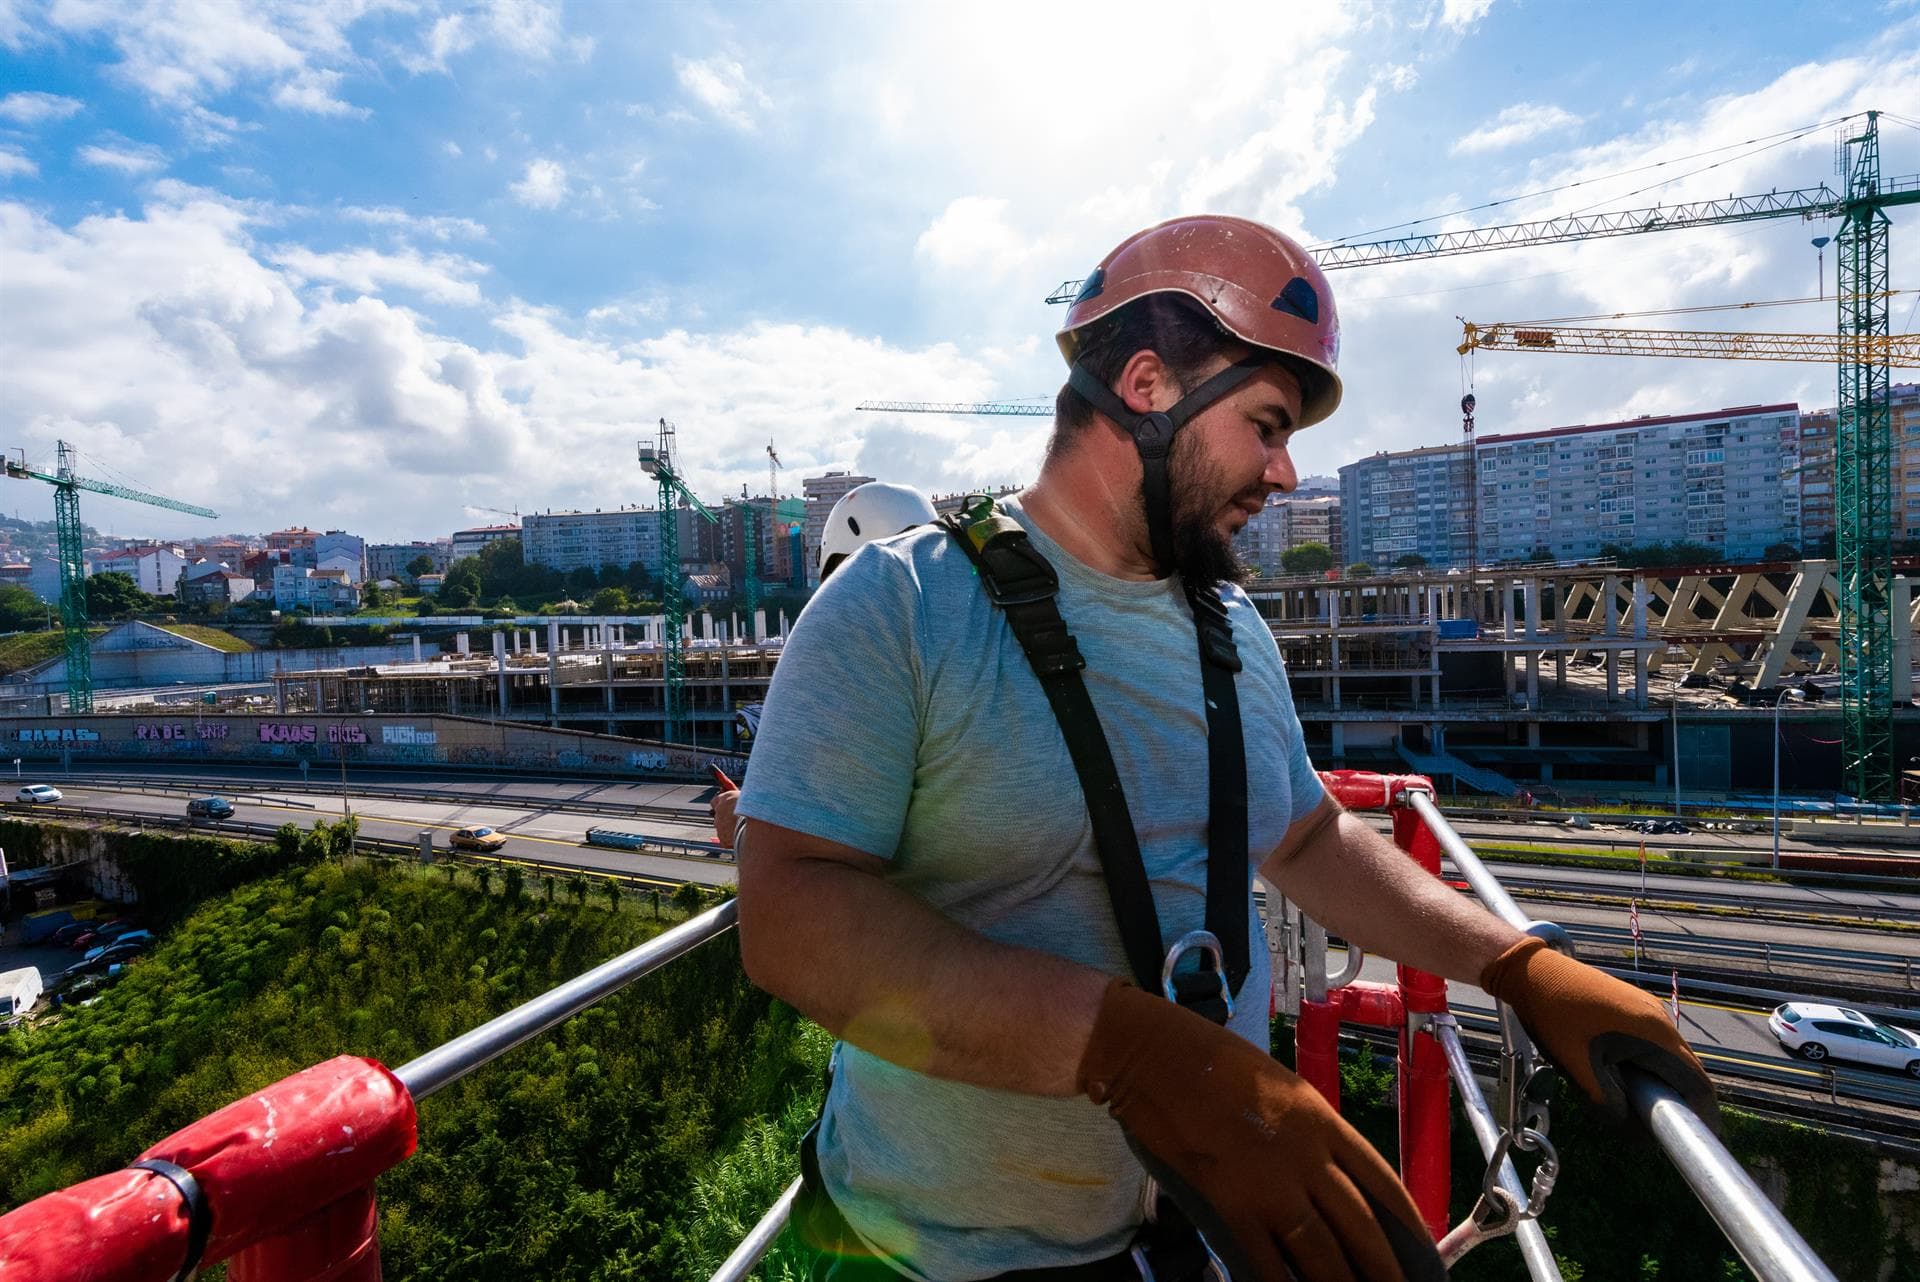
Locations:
column 576, row 1156
column 215, row 637
column 24, row 649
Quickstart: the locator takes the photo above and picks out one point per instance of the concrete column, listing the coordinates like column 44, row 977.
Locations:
column 1530, row 595
column 606, row 674
column 1610, row 603
column 1613, row 675
column 463, row 642
column 553, row 671
column 500, row 673
column 516, row 641
column 416, row 649
column 1505, row 588
column 1640, row 661
column 1533, row 734
column 1639, row 607
column 1506, row 670
column 1333, row 660
column 1533, row 680
column 1559, row 671
column 1339, row 742
column 760, row 625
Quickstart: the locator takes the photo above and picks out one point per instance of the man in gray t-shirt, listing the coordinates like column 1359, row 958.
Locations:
column 918, row 869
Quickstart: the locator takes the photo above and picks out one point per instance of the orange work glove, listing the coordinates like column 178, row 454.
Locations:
column 1282, row 1188
column 1589, row 1024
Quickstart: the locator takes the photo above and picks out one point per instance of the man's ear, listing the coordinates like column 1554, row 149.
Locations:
column 1146, row 383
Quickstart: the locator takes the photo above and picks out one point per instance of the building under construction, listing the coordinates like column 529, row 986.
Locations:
column 1571, row 681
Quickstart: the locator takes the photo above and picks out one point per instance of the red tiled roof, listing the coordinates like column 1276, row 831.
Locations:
column 1737, row 411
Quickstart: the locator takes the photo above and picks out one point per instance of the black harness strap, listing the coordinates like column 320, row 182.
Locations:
column 1024, row 586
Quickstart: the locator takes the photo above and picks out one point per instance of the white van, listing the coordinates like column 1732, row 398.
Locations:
column 19, row 990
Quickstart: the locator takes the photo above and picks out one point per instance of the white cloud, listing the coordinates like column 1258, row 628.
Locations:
column 440, row 227
column 1522, row 122
column 171, row 335
column 526, row 28
column 1461, row 14
column 33, row 107
column 446, row 278
column 543, row 187
column 720, row 85
column 312, row 90
column 124, row 157
column 15, row 164
column 451, row 147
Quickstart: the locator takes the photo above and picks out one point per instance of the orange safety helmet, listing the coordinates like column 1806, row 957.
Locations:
column 1260, row 285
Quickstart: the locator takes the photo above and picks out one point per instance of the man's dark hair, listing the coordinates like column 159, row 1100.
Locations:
column 1183, row 334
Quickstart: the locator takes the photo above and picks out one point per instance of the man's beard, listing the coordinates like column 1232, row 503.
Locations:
column 1202, row 555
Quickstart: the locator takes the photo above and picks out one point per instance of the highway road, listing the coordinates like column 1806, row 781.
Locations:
column 545, row 820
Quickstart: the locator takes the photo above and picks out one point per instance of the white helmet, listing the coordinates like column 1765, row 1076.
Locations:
column 868, row 512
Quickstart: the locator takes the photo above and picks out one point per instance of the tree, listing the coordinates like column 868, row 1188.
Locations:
column 371, row 597
column 21, row 610
column 1307, row 558
column 1359, row 570
column 611, row 888
column 422, row 564
column 113, row 595
column 1410, row 561
column 582, row 582
column 455, row 596
column 610, row 601
column 1780, row 552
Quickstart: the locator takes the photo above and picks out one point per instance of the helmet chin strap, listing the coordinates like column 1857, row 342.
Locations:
column 1153, row 434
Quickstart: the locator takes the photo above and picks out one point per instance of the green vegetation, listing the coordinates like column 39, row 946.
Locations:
column 580, row 1155
column 218, row 638
column 30, row 648
column 1308, row 558
column 22, row 611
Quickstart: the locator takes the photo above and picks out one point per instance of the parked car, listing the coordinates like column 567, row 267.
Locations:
column 19, row 990
column 137, row 940
column 72, row 931
column 101, row 933
column 481, row 838
column 1816, row 1032
column 209, row 808
column 37, row 794
column 117, row 951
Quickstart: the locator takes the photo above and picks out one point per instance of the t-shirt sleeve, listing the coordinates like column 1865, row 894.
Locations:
column 839, row 736
column 1303, row 780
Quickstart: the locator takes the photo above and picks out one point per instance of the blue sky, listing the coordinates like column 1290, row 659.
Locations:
column 381, row 263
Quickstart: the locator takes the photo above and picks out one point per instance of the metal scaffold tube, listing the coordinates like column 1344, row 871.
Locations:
column 1534, row 1248
column 444, row 1065
column 759, row 1240
column 1769, row 1245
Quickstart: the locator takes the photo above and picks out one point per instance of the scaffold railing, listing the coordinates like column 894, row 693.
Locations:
column 212, row 1192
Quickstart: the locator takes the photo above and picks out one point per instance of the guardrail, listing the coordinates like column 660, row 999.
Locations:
column 1754, row 1226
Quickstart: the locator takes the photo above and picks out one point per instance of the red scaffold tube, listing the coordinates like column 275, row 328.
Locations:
column 1365, row 790
column 263, row 1164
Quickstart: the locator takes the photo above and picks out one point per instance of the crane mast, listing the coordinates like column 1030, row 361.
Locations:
column 657, row 460
column 70, row 539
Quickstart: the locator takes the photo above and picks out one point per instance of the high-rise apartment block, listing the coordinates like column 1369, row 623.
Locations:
column 1408, row 503
column 1729, row 480
column 1817, row 446
column 573, row 540
column 1287, row 521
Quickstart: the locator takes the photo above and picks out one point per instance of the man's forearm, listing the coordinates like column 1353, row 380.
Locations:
column 1362, row 887
column 878, row 968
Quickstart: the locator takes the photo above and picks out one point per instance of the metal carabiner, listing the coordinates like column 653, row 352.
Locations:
column 1208, row 943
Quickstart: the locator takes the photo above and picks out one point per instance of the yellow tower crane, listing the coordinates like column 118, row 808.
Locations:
column 1897, row 351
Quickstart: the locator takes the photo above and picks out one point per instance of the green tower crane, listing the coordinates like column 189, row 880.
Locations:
column 73, row 566
column 657, row 461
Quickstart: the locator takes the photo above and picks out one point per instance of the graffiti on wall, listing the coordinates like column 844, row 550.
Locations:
column 409, row 736
column 59, row 734
column 287, row 732
column 180, row 730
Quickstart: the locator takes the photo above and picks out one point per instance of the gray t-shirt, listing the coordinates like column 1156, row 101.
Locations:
column 904, row 721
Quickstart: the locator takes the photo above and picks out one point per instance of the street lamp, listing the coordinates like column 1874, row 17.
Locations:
column 1784, row 696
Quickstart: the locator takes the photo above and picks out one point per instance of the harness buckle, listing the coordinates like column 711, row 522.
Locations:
column 1015, row 574
column 1209, row 945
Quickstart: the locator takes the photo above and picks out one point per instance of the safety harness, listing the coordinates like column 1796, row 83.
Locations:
column 1019, row 580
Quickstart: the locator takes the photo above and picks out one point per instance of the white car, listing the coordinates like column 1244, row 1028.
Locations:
column 1818, row 1032
column 35, row 794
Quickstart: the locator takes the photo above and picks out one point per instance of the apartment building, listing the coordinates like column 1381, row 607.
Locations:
column 1817, row 449
column 390, row 560
column 1405, row 503
column 1729, row 480
column 574, row 540
column 1287, row 521
column 468, row 543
